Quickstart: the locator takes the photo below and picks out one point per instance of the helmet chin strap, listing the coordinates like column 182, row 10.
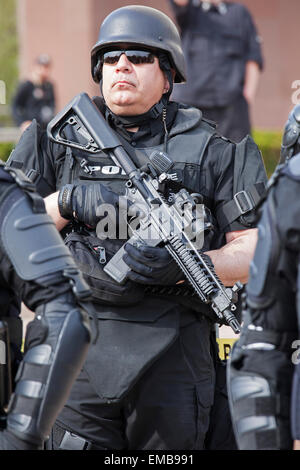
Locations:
column 165, row 66
column 136, row 121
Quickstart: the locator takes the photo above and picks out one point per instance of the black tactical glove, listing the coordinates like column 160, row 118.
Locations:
column 151, row 265
column 82, row 202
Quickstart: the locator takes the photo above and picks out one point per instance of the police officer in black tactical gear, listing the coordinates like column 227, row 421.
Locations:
column 149, row 378
column 263, row 373
column 36, row 266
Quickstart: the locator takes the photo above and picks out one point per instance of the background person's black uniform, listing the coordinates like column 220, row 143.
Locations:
column 49, row 287
column 149, row 380
column 217, row 43
column 33, row 101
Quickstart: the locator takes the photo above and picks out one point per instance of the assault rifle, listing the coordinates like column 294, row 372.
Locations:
column 86, row 121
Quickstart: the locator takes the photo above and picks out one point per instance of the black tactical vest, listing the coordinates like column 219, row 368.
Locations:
column 187, row 142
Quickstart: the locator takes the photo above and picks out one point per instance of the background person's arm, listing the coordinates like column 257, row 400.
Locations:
column 232, row 260
column 252, row 75
column 51, row 203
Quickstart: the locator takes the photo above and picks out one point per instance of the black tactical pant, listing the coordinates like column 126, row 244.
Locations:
column 233, row 121
column 168, row 408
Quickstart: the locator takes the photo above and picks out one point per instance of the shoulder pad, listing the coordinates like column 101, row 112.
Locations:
column 292, row 168
column 4, row 175
column 292, row 128
column 296, row 113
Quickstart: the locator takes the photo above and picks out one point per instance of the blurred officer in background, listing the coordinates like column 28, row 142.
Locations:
column 35, row 97
column 36, row 266
column 263, row 372
column 224, row 61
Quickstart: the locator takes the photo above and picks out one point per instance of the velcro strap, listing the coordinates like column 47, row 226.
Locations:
column 266, row 439
column 38, row 205
column 242, row 203
column 22, row 405
column 21, row 179
column 255, row 406
column 36, row 372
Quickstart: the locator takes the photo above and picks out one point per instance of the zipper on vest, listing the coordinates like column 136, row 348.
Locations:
column 101, row 253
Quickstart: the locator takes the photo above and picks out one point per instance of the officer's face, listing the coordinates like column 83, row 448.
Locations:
column 43, row 71
column 131, row 89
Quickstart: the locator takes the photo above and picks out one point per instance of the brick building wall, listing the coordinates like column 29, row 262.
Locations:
column 67, row 29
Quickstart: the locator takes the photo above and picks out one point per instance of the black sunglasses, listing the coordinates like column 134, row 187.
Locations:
column 136, row 57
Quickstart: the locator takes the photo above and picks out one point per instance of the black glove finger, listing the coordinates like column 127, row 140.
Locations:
column 154, row 257
column 107, row 195
column 158, row 252
column 136, row 277
column 138, row 267
column 154, row 252
column 159, row 257
column 136, row 253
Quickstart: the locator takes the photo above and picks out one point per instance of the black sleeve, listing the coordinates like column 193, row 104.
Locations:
column 288, row 212
column 34, row 156
column 232, row 169
column 253, row 40
column 224, row 178
column 19, row 103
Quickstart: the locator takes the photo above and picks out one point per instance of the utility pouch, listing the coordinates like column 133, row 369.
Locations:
column 91, row 255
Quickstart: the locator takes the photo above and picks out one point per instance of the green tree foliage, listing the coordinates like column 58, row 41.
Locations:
column 5, row 150
column 8, row 46
column 269, row 143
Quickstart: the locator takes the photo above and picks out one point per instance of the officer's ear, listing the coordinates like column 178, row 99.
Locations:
column 167, row 84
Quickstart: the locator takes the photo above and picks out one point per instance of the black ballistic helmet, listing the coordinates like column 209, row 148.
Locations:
column 143, row 26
